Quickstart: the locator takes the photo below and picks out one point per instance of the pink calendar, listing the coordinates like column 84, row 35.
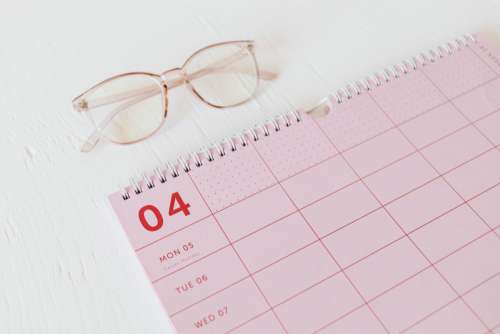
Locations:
column 383, row 216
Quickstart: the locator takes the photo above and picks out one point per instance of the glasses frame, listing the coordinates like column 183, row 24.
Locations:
column 80, row 104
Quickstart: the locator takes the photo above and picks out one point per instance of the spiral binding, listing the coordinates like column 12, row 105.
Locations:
column 396, row 71
column 207, row 154
column 350, row 90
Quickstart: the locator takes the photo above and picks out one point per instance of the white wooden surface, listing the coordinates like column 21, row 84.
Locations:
column 66, row 266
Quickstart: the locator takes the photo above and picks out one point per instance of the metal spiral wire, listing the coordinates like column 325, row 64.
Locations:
column 398, row 70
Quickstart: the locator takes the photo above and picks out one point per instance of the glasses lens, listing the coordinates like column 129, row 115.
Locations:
column 223, row 75
column 128, row 108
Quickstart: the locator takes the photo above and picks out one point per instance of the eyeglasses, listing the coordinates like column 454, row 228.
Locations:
column 130, row 107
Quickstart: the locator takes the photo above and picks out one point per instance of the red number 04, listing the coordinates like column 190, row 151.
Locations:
column 177, row 205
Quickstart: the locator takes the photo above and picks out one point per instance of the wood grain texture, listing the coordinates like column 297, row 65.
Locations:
column 66, row 264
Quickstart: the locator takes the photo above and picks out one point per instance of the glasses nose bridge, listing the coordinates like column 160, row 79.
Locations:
column 174, row 76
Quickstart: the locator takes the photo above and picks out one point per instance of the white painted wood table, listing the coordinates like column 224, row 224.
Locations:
column 66, row 265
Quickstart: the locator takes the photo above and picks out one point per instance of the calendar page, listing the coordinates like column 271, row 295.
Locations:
column 381, row 217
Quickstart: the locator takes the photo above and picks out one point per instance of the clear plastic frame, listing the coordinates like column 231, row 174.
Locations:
column 130, row 107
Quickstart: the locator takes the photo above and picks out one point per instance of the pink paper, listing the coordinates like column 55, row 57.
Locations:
column 381, row 217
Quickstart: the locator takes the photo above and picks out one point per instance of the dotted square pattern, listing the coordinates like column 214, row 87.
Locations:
column 380, row 217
